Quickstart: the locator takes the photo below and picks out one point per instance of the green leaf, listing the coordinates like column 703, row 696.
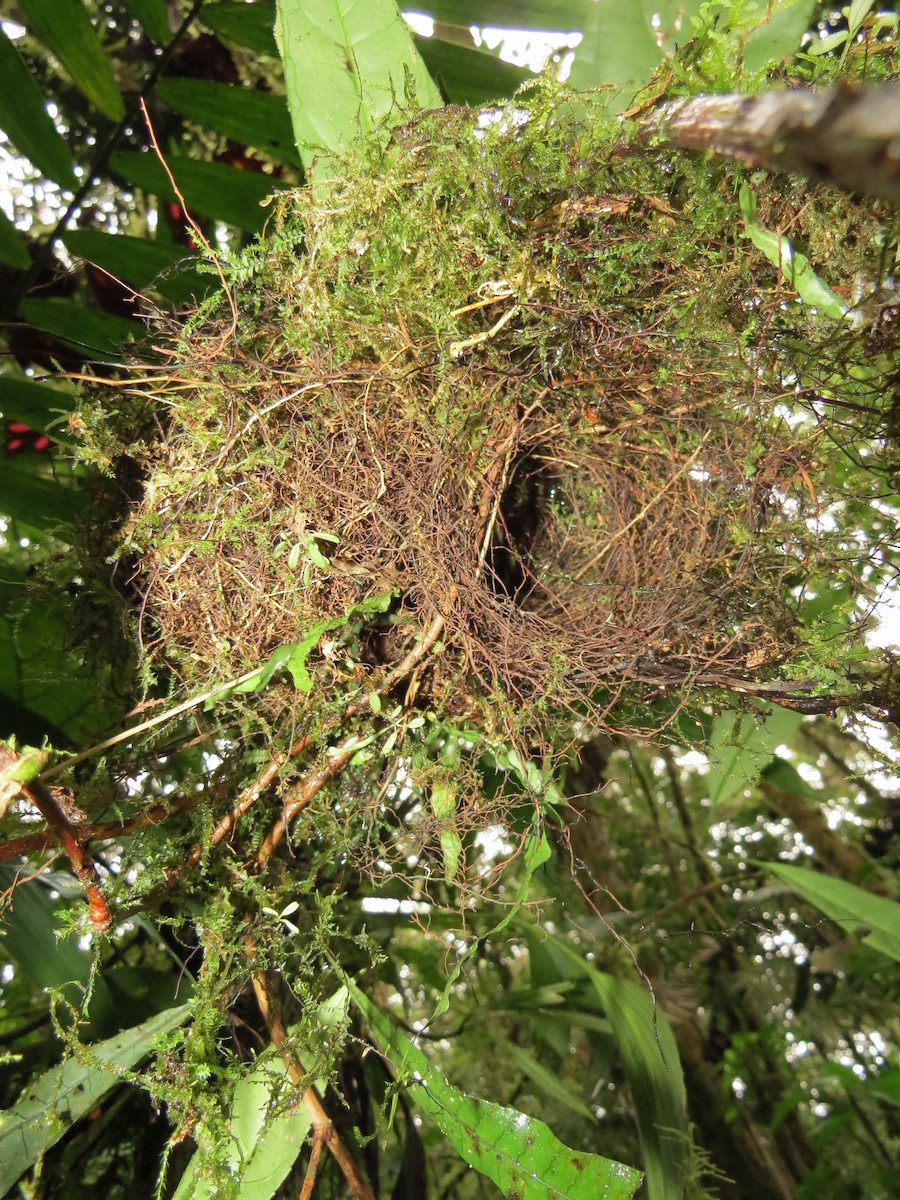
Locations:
column 649, row 1053
column 795, row 268
column 525, row 14
column 66, row 30
column 742, row 745
column 347, row 64
column 140, row 262
column 43, row 408
column 154, row 16
column 779, row 34
column 13, row 250
column 54, row 1101
column 257, row 119
column 31, row 494
column 850, row 906
column 49, row 685
column 516, row 1152
column 469, row 76
column 547, row 1081
column 212, row 190
column 266, row 1137
column 96, row 334
column 241, row 24
column 623, row 44
column 25, row 120
column 785, row 776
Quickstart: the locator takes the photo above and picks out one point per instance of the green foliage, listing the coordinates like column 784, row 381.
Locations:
column 573, row 917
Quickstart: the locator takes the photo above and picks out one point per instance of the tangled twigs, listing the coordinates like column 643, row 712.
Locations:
column 301, row 795
column 82, row 864
column 266, row 989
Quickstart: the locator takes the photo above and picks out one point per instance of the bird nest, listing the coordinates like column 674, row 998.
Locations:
column 495, row 388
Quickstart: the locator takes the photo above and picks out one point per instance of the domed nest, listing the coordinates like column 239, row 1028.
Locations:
column 498, row 384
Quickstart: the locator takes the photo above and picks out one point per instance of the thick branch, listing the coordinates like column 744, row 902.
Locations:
column 847, row 136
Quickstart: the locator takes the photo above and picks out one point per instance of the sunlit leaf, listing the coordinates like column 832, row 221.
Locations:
column 25, row 120
column 347, row 65
column 778, row 34
column 741, row 745
column 516, row 1152
column 66, row 30
column 63, row 1095
column 623, row 44
column 851, row 907
column 794, row 267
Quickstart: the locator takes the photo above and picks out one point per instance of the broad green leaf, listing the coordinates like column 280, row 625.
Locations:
column 516, row 1152
column 850, row 906
column 623, row 44
column 96, row 334
column 741, row 745
column 154, row 16
column 160, row 266
column 63, row 1095
column 524, row 14
column 468, row 76
column 25, row 120
column 347, row 65
column 212, row 190
column 266, row 1137
column 241, row 24
column 795, row 268
column 649, row 1053
column 257, row 119
column 66, row 30
column 779, row 34
column 43, row 408
column 13, row 250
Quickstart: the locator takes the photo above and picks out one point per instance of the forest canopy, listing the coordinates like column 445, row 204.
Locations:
column 449, row 538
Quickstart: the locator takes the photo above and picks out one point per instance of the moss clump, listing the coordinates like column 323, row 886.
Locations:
column 511, row 378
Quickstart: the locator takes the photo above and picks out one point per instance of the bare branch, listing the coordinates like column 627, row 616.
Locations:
column 846, row 136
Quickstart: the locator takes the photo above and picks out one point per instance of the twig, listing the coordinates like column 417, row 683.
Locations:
column 81, row 862
column 324, row 1133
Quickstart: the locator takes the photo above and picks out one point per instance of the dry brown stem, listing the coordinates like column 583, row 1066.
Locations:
column 266, row 988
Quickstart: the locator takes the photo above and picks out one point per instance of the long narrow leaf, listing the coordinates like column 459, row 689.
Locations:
column 850, row 906
column 250, row 25
column 266, row 1138
column 62, row 1095
column 649, row 1054
column 212, row 190
column 12, row 249
column 66, row 30
column 516, row 1152
column 252, row 118
column 25, row 120
column 347, row 64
